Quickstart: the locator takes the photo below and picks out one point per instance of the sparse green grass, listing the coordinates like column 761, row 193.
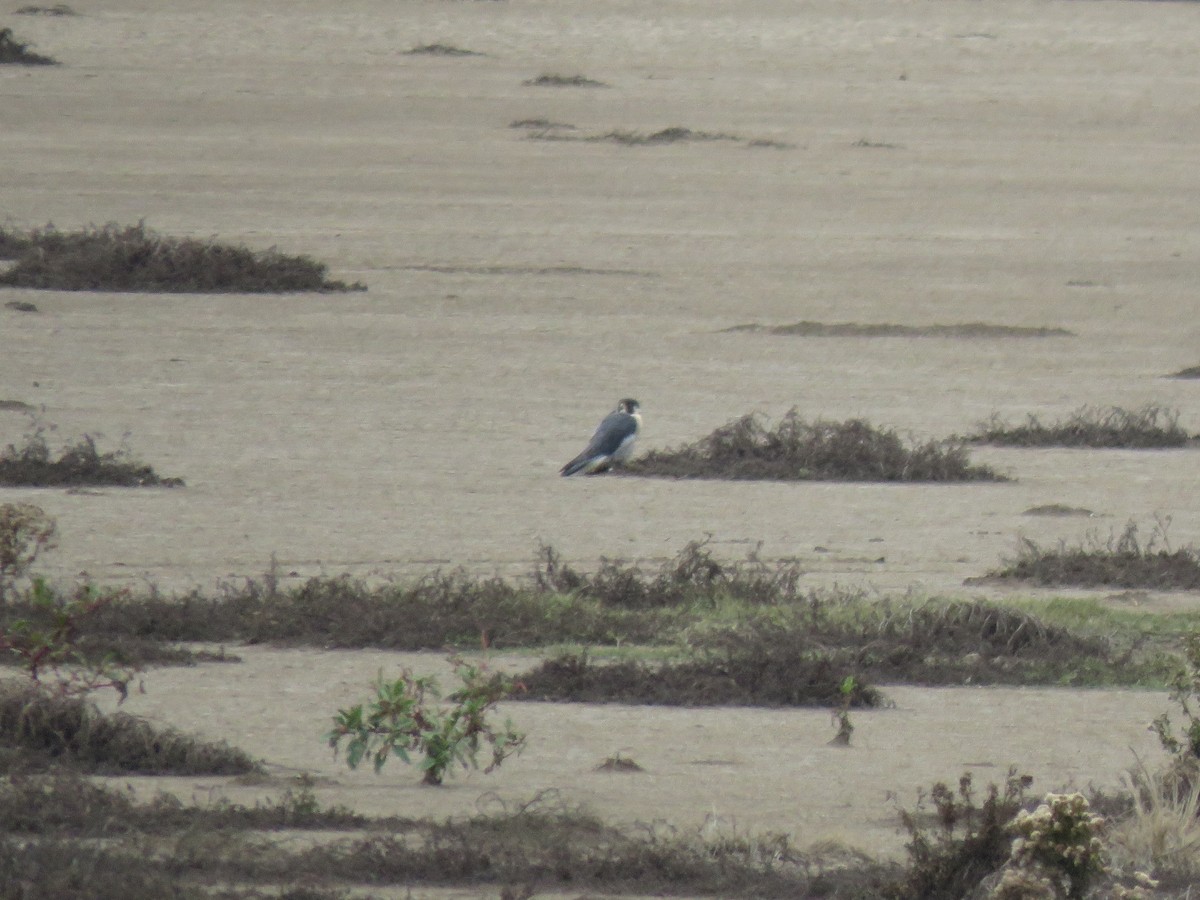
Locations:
column 743, row 632
column 1121, row 562
column 15, row 52
column 167, row 849
column 873, row 330
column 1149, row 427
column 1088, row 617
column 135, row 258
column 64, row 837
column 80, row 464
column 797, row 450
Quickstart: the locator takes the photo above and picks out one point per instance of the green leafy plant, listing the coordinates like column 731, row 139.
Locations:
column 841, row 715
column 25, row 531
column 1185, row 690
column 46, row 642
column 406, row 717
column 969, row 842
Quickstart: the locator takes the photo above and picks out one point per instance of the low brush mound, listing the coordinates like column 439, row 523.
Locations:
column 796, row 450
column 1126, row 564
column 135, row 259
column 78, row 465
column 804, row 659
column 1150, row 427
column 796, row 679
column 39, row 726
column 15, row 52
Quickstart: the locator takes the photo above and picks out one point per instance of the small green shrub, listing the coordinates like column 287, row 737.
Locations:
column 968, row 843
column 135, row 258
column 1185, row 691
column 797, row 450
column 406, row 717
column 47, row 647
column 15, row 52
column 25, row 531
column 1150, row 427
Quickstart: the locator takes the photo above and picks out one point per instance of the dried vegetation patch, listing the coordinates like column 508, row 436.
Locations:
column 871, row 330
column 542, row 130
column 797, row 450
column 440, row 50
column 38, row 727
column 1123, row 562
column 166, row 849
column 79, row 464
column 58, row 9
column 564, row 81
column 17, row 52
column 1148, row 427
column 720, row 633
column 136, row 259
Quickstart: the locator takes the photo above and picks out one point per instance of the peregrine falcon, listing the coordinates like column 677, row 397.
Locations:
column 612, row 442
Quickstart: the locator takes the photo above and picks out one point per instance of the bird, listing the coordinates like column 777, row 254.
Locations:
column 612, row 443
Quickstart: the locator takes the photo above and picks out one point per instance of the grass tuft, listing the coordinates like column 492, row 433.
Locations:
column 1150, row 427
column 1161, row 832
column 134, row 258
column 796, row 450
column 15, row 52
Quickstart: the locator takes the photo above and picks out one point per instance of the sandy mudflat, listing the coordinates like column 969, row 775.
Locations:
column 1016, row 163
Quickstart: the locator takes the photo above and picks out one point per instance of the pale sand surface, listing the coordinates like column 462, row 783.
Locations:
column 1041, row 172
